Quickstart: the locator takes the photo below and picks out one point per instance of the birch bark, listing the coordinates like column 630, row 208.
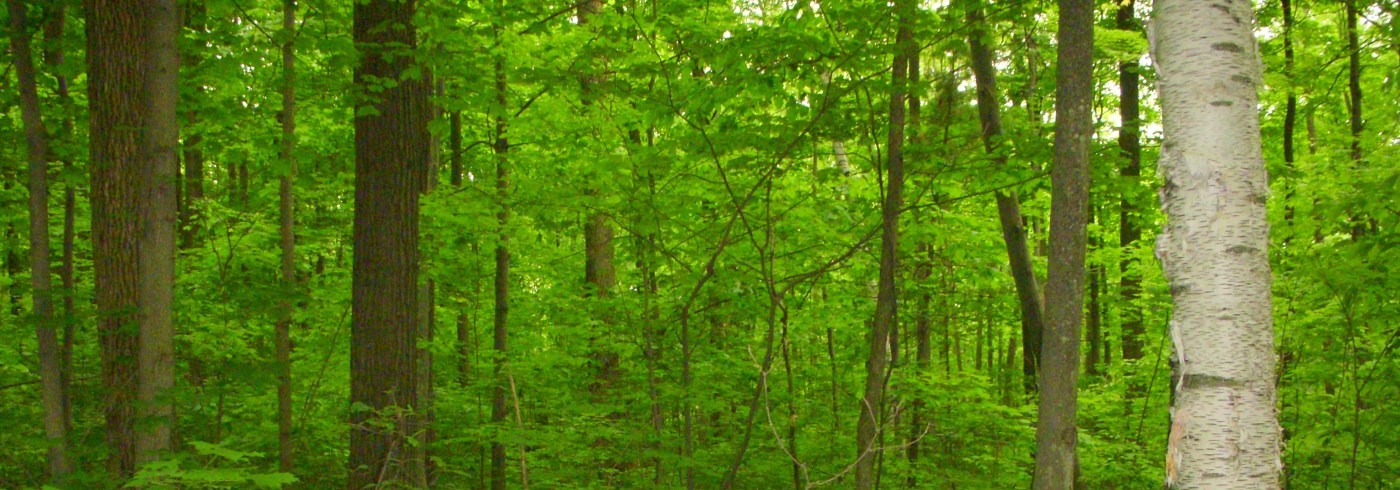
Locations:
column 1225, row 433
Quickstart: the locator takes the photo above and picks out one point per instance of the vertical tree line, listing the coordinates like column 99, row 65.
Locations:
column 710, row 231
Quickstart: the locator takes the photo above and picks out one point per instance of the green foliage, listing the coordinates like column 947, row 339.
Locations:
column 708, row 139
column 1119, row 44
column 215, row 467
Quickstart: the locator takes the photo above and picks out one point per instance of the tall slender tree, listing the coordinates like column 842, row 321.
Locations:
column 36, row 135
column 1013, row 226
column 1354, row 104
column 1129, row 232
column 391, row 155
column 54, row 58
column 886, row 305
column 1056, row 460
column 192, row 151
column 1360, row 223
column 1214, row 248
column 501, row 318
column 287, row 242
column 1290, row 111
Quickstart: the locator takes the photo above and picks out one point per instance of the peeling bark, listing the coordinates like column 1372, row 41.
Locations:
column 1213, row 250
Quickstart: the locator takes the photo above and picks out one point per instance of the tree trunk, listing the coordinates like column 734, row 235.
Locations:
column 1130, row 148
column 923, row 356
column 116, row 37
column 1354, row 82
column 1290, row 122
column 466, row 324
column 1013, row 228
column 1214, row 247
column 886, row 307
column 287, row 220
column 54, row 58
column 1290, row 113
column 190, row 219
column 597, row 236
column 37, row 137
column 1056, row 463
column 391, row 154
column 156, row 257
column 922, row 269
column 502, row 281
column 1360, row 223
column 454, row 142
column 427, row 322
column 1093, row 327
column 792, row 432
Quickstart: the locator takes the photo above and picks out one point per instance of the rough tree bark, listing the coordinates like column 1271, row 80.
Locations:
column 36, row 135
column 1056, row 462
column 391, row 154
column 286, row 218
column 886, row 305
column 156, row 256
column 501, row 321
column 1213, row 250
column 1013, row 228
column 116, row 37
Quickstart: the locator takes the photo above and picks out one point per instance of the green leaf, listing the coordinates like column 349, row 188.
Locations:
column 272, row 480
column 1119, row 44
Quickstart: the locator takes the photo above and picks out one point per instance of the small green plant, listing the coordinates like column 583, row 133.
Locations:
column 216, row 467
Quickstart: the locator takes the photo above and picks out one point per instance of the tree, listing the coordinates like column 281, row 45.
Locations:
column 1013, row 227
column 391, row 155
column 1213, row 250
column 599, row 274
column 741, row 159
column 1056, row 459
column 54, row 58
column 116, row 37
column 501, row 282
column 886, row 303
column 1129, row 146
column 192, row 151
column 157, row 208
column 287, row 241
column 36, row 134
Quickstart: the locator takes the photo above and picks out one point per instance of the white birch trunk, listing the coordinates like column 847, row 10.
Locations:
column 1225, row 433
